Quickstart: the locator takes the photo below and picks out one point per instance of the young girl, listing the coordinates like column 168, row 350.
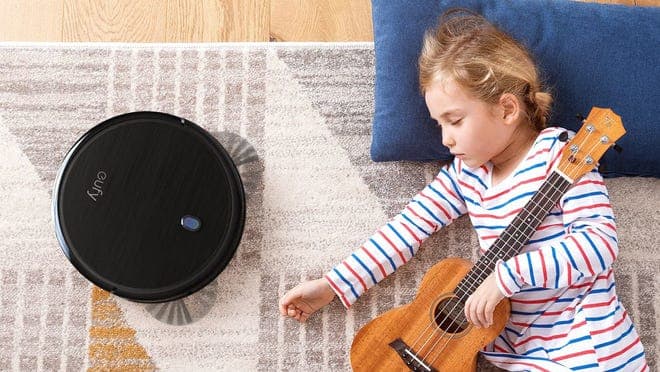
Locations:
column 484, row 91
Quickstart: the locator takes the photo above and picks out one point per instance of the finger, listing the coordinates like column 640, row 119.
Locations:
column 468, row 310
column 292, row 310
column 285, row 302
column 489, row 315
column 485, row 315
column 475, row 313
column 281, row 305
column 284, row 309
column 480, row 314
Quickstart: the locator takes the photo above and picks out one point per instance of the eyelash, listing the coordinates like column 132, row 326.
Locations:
column 452, row 123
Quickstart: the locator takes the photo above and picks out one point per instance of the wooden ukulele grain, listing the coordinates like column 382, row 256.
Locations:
column 371, row 351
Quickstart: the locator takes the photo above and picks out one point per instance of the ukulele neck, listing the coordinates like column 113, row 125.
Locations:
column 517, row 234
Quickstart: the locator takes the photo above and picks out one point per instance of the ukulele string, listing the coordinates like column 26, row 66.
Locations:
column 469, row 278
column 490, row 262
column 573, row 174
column 579, row 171
column 555, row 191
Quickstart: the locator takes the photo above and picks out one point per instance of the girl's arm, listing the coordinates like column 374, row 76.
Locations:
column 394, row 244
column 588, row 248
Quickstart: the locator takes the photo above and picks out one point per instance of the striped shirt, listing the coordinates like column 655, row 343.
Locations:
column 565, row 314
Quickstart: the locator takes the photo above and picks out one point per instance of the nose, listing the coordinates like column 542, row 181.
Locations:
column 447, row 140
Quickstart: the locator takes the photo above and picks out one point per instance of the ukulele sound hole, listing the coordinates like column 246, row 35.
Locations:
column 449, row 315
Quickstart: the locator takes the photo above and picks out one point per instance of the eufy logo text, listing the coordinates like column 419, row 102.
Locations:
column 96, row 190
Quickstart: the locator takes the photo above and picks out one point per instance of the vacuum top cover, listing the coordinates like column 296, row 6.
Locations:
column 148, row 206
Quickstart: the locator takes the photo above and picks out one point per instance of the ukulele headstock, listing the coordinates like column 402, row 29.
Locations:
column 601, row 129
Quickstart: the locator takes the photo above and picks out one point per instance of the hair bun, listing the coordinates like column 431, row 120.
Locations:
column 542, row 102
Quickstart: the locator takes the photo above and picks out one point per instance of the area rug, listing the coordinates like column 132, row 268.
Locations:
column 313, row 196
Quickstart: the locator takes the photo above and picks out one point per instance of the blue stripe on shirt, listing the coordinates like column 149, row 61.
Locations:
column 593, row 246
column 410, row 248
column 429, row 212
column 603, row 290
column 513, row 278
column 383, row 252
column 537, row 165
column 594, row 216
column 346, row 281
column 451, row 180
column 608, row 315
column 585, row 366
column 468, row 200
column 472, row 175
column 371, row 274
column 570, row 257
column 554, row 257
column 456, row 210
column 573, row 341
column 490, row 227
column 414, row 224
column 589, row 194
column 549, row 237
column 621, row 336
column 531, row 270
column 633, row 358
column 523, row 195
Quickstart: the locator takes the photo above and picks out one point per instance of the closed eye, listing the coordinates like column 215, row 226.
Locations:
column 456, row 122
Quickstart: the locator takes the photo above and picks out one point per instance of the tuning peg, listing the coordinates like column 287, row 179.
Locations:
column 617, row 148
column 565, row 136
column 580, row 117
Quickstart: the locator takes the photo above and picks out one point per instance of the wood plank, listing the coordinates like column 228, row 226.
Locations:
column 193, row 20
column 647, row 2
column 22, row 20
column 620, row 2
column 320, row 20
column 217, row 21
column 114, row 20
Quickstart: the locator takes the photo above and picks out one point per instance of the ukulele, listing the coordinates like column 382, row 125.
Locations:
column 431, row 333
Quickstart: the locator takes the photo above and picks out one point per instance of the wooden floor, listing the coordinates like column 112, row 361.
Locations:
column 193, row 20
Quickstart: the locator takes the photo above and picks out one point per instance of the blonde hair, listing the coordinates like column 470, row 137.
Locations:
column 485, row 61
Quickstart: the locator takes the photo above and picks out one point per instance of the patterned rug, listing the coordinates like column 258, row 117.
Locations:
column 313, row 195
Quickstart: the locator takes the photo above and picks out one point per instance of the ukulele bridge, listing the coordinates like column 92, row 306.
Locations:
column 410, row 358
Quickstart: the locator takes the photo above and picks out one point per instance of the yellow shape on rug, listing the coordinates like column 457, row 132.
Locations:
column 112, row 343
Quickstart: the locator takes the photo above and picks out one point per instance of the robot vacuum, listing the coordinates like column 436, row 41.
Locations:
column 148, row 206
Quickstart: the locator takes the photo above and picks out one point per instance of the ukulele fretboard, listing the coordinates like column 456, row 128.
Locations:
column 517, row 234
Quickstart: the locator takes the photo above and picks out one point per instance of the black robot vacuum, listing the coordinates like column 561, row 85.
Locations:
column 149, row 206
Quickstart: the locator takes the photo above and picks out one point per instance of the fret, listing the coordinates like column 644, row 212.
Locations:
column 517, row 234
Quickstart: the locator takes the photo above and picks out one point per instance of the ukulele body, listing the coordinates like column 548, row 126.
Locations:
column 390, row 341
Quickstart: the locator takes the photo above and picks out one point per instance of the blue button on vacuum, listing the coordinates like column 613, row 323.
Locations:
column 191, row 223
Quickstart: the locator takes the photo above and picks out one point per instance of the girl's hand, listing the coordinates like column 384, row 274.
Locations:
column 480, row 305
column 305, row 298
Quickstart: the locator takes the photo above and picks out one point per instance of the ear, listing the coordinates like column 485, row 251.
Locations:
column 510, row 108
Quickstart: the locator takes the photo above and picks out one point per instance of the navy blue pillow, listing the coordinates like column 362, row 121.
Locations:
column 590, row 55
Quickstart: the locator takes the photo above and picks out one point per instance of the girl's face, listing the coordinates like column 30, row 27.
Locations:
column 473, row 130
